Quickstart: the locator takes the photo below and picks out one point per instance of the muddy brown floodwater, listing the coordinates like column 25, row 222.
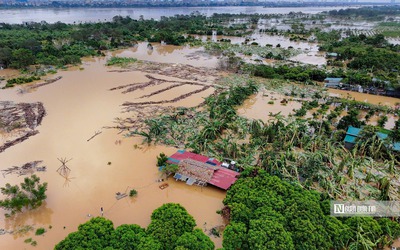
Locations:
column 266, row 103
column 164, row 53
column 363, row 97
column 77, row 106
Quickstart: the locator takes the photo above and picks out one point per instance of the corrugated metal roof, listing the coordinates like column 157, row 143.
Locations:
column 181, row 154
column 333, row 79
column 382, row 136
column 350, row 139
column 223, row 178
column 353, row 131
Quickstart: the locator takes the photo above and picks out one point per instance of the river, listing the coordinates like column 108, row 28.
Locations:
column 79, row 15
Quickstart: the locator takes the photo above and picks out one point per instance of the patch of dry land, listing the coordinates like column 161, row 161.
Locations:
column 82, row 104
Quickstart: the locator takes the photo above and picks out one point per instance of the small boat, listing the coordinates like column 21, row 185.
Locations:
column 163, row 186
column 119, row 195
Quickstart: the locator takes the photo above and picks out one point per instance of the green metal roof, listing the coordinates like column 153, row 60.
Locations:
column 353, row 132
column 350, row 139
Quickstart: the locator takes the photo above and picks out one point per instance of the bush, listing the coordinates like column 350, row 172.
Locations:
column 40, row 231
column 132, row 193
column 20, row 80
column 30, row 194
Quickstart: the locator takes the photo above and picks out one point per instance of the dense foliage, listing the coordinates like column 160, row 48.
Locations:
column 171, row 227
column 296, row 73
column 61, row 44
column 268, row 213
column 367, row 57
column 369, row 13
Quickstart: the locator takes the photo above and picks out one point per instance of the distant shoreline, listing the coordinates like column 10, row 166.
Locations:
column 133, row 6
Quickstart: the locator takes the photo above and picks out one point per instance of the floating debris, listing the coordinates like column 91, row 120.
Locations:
column 120, row 195
column 63, row 170
column 20, row 121
column 36, row 86
column 95, row 134
column 27, row 168
column 163, row 186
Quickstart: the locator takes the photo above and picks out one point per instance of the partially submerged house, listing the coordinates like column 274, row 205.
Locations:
column 201, row 170
column 332, row 82
column 353, row 133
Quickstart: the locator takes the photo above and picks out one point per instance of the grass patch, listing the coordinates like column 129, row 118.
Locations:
column 271, row 102
column 120, row 61
column 29, row 240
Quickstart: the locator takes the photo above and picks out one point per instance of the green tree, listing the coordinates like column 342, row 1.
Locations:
column 30, row 194
column 175, row 219
column 339, row 233
column 268, row 235
column 22, row 58
column 5, row 56
column 195, row 240
column 94, row 234
column 149, row 243
column 286, row 208
column 127, row 237
column 235, row 236
column 162, row 159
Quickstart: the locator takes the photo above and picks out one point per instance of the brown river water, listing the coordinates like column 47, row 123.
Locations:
column 78, row 105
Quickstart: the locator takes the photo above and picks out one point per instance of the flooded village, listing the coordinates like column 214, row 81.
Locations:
column 243, row 104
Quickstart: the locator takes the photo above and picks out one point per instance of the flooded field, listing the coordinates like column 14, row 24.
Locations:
column 362, row 97
column 77, row 106
column 267, row 103
column 164, row 53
